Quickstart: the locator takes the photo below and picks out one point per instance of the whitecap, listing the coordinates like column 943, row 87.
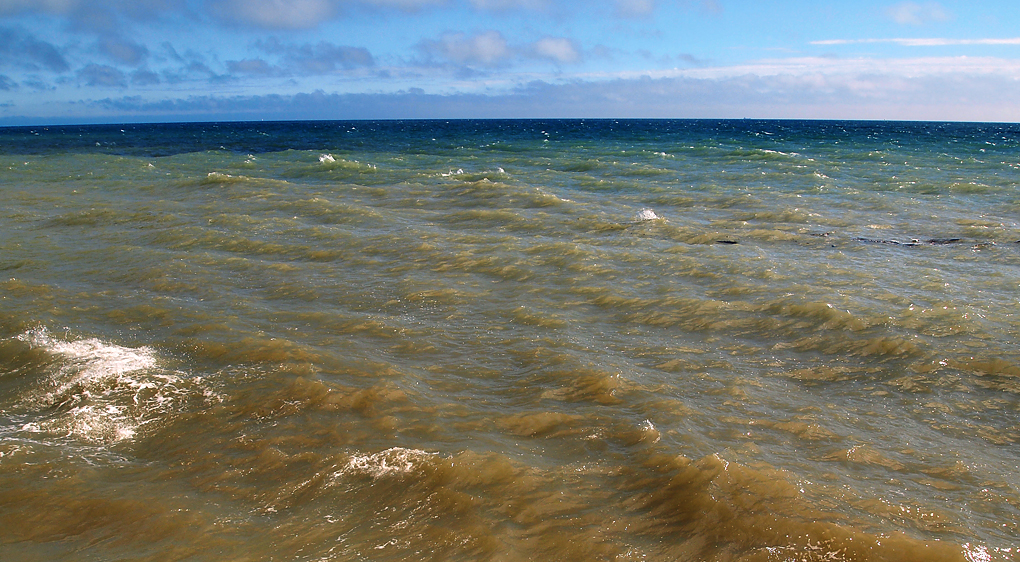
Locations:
column 327, row 158
column 393, row 461
column 647, row 215
column 98, row 391
column 213, row 178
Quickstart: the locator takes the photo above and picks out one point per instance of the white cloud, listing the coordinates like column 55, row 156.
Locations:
column 489, row 48
column 559, row 49
column 912, row 13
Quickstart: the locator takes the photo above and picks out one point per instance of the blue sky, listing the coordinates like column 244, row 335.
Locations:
column 69, row 61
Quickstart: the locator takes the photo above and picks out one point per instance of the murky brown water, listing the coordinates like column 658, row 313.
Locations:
column 741, row 341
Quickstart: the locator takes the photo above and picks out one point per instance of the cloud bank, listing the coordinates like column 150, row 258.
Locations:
column 809, row 95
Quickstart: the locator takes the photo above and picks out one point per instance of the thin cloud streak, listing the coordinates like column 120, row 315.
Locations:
column 904, row 68
column 921, row 42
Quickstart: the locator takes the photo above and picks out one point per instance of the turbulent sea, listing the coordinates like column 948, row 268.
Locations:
column 753, row 341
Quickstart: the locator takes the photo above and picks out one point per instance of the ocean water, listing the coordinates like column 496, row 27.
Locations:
column 510, row 340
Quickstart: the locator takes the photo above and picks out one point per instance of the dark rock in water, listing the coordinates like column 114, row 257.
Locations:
column 725, row 241
column 881, row 241
column 912, row 242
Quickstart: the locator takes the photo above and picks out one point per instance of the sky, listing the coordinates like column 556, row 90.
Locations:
column 121, row 61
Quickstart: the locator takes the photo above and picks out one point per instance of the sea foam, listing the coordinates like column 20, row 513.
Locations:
column 97, row 391
column 392, row 461
column 647, row 215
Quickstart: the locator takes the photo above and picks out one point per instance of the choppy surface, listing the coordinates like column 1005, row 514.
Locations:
column 556, row 340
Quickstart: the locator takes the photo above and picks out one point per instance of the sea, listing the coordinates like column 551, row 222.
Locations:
column 510, row 340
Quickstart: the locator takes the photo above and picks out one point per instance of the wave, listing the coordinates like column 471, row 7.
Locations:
column 95, row 391
column 631, row 499
column 218, row 178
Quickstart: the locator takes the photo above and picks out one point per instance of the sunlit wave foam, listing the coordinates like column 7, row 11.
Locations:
column 100, row 392
column 219, row 177
column 647, row 215
column 333, row 164
column 391, row 462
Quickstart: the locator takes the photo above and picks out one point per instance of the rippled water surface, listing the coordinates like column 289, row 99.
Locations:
column 510, row 340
